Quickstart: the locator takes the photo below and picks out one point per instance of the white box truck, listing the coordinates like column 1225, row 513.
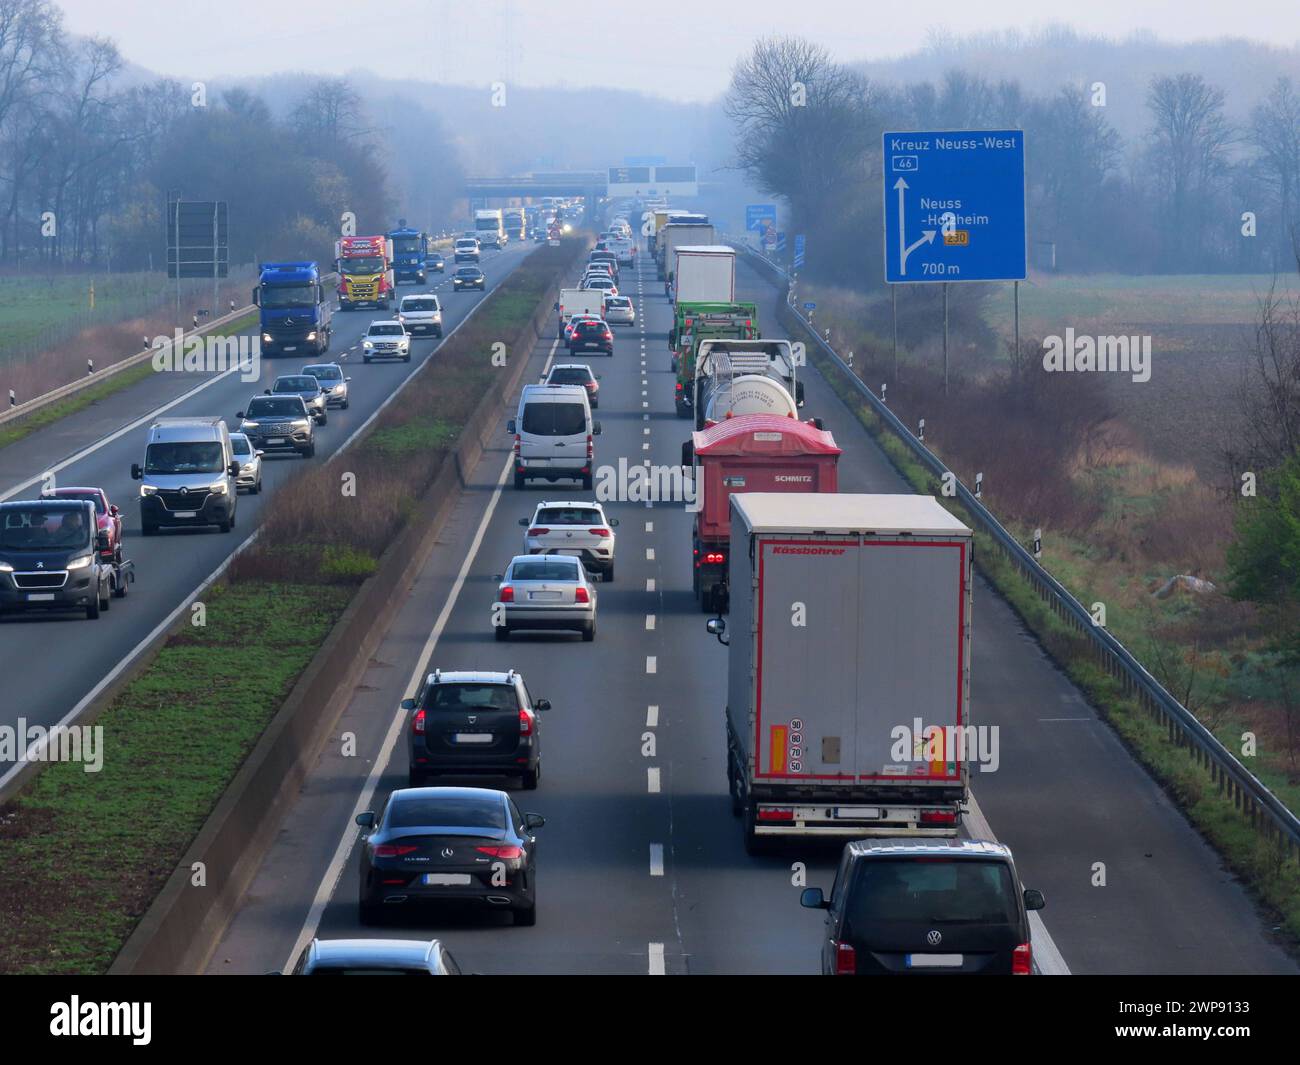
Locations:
column 848, row 695
column 673, row 236
column 578, row 301
column 704, row 273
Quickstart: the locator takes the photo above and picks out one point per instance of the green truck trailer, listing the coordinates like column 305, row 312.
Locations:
column 693, row 322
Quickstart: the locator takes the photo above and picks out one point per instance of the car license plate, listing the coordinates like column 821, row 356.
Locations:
column 472, row 737
column 543, row 596
column 40, row 597
column 185, row 514
column 934, row 961
column 275, row 440
column 445, row 879
column 291, row 347
column 858, row 813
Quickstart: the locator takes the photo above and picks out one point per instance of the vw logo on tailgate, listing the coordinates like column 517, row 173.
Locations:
column 934, row 937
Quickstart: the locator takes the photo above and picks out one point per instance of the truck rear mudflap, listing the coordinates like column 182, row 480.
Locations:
column 856, row 821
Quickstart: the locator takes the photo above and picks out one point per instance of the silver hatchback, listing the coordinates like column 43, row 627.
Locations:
column 332, row 381
column 550, row 592
column 250, row 463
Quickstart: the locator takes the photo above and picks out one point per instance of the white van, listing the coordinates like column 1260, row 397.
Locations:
column 189, row 476
column 554, row 435
column 577, row 301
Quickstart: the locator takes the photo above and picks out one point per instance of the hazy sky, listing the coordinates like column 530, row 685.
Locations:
column 683, row 49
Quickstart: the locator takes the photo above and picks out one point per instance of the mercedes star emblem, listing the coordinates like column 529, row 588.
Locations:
column 447, row 852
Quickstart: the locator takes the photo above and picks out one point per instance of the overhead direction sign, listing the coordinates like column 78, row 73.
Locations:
column 954, row 206
column 798, row 251
column 758, row 216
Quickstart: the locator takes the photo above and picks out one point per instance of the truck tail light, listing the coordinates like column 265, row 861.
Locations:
column 679, row 386
column 507, row 594
column 715, row 558
column 846, row 960
column 525, row 722
column 776, row 813
column 417, row 723
column 1022, row 960
column 938, row 817
column 580, row 595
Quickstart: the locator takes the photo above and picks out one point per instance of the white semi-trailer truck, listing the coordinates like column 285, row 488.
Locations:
column 849, row 640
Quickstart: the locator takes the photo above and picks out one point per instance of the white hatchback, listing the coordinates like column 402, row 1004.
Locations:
column 578, row 528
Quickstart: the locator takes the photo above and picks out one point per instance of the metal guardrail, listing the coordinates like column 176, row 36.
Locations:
column 29, row 407
column 1252, row 798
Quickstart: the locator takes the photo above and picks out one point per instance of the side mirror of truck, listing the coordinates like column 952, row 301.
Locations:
column 112, row 509
column 688, row 453
column 136, row 472
column 718, row 627
column 101, row 541
column 1034, row 899
column 257, row 297
column 556, row 307
column 811, row 898
column 798, row 393
column 510, row 426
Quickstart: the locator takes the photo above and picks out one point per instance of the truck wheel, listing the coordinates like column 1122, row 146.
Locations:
column 586, row 482
column 733, row 789
column 120, row 587
column 706, row 600
column 519, row 480
column 502, row 633
column 755, row 845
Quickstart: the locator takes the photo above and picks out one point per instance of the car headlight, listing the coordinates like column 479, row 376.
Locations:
column 217, row 488
column 368, row 344
column 148, row 490
column 266, row 338
column 80, row 563
column 5, row 567
column 247, row 425
column 311, row 335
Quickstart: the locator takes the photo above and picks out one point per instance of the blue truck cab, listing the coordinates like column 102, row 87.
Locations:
column 294, row 309
column 410, row 251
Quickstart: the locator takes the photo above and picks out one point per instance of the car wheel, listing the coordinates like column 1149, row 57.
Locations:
column 106, row 600
column 365, row 359
column 310, row 451
column 438, row 334
column 345, row 404
column 531, row 777
column 525, row 918
column 501, row 632
column 415, row 779
column 226, row 526
column 519, row 480
column 406, row 358
column 608, row 577
column 587, row 481
column 148, row 530
column 367, row 913
column 92, row 609
column 323, row 419
column 589, row 633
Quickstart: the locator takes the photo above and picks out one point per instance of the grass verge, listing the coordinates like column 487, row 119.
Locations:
column 88, row 397
column 175, row 737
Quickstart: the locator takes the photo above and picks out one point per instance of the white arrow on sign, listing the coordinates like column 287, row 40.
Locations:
column 905, row 249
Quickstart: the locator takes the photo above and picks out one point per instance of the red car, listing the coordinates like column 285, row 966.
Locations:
column 110, row 521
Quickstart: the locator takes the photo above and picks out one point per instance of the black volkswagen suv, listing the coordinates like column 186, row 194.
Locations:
column 926, row 906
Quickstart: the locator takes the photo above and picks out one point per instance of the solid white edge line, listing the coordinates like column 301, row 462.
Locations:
column 1047, row 958
column 334, row 871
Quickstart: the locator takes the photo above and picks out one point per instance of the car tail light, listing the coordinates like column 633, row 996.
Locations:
column 525, row 722
column 938, row 817
column 1022, row 960
column 715, row 557
column 598, row 532
column 846, row 960
column 503, row 850
column 780, row 813
column 394, row 850
column 591, row 386
column 507, row 594
column 608, row 335
column 538, row 532
column 417, row 723
column 580, row 595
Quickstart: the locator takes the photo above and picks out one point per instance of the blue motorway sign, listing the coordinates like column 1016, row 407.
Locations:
column 798, row 251
column 810, row 306
column 780, row 241
column 759, row 216
column 954, row 206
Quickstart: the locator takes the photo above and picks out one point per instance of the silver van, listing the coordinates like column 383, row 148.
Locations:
column 554, row 434
column 189, row 476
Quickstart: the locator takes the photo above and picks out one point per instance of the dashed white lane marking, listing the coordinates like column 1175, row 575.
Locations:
column 646, row 431
column 652, row 780
column 649, row 584
column 649, row 622
column 657, row 959
column 644, row 403
column 649, row 554
column 649, row 526
column 645, row 447
column 656, row 859
column 645, row 417
column 651, row 664
column 652, row 716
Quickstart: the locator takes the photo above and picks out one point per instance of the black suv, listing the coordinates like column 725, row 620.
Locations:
column 917, row 906
column 591, row 336
column 472, row 723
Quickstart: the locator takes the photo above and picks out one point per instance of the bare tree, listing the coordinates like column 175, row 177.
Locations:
column 330, row 113
column 1275, row 136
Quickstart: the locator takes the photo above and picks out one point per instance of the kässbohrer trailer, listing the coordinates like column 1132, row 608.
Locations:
column 849, row 646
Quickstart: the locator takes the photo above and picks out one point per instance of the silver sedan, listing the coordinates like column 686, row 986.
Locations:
column 545, row 592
